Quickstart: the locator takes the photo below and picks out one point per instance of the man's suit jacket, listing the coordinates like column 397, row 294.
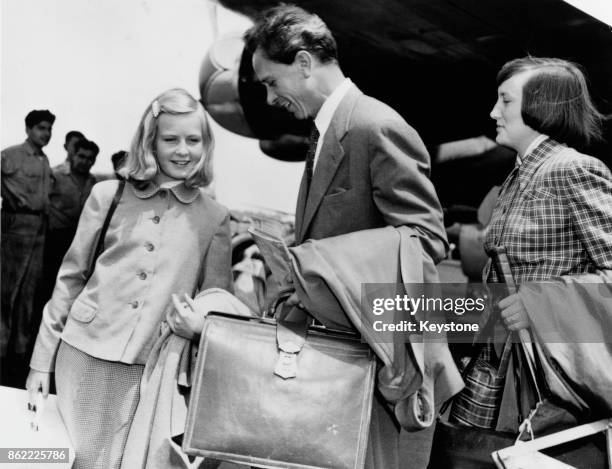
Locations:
column 372, row 171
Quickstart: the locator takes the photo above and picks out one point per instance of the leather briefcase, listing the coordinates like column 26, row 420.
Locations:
column 280, row 395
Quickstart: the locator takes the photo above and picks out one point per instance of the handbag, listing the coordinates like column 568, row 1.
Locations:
column 457, row 445
column 478, row 403
column 470, row 447
column 460, row 447
column 277, row 394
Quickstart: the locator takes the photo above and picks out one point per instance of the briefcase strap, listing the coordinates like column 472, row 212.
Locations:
column 272, row 309
column 290, row 336
column 503, row 266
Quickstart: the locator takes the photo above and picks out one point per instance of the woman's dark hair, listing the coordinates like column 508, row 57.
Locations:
column 556, row 99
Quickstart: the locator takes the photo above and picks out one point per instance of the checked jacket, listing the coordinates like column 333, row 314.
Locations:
column 554, row 215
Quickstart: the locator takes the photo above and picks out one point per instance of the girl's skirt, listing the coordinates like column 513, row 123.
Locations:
column 97, row 400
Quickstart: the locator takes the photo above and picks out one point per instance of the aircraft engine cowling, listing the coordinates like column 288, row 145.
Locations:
column 236, row 101
column 219, row 85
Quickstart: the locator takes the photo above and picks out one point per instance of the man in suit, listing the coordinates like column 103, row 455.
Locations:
column 370, row 168
column 366, row 167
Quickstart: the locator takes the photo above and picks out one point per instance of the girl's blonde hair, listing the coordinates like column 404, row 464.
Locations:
column 140, row 165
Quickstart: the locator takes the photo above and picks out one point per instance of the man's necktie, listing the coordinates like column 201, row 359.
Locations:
column 310, row 156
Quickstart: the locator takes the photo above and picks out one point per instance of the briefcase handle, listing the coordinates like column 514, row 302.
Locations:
column 270, row 310
column 291, row 335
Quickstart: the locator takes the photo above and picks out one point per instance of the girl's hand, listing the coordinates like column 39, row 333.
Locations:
column 37, row 381
column 185, row 321
column 513, row 313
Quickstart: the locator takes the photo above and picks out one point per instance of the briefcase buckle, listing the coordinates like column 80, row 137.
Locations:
column 286, row 365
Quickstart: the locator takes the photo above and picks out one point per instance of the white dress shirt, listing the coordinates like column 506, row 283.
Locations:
column 534, row 143
column 325, row 114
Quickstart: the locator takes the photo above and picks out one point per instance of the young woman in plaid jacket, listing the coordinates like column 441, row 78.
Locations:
column 554, row 212
column 553, row 216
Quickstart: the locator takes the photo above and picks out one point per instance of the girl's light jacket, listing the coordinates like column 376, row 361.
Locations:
column 159, row 242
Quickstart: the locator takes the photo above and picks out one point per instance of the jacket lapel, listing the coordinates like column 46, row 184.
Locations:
column 329, row 159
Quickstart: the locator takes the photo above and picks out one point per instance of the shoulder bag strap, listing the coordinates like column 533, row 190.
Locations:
column 503, row 266
column 100, row 244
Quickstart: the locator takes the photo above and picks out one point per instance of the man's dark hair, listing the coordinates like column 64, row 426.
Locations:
column 118, row 159
column 282, row 31
column 86, row 145
column 73, row 134
column 556, row 100
column 37, row 116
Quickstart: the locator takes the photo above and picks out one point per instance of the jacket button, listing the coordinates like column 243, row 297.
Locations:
column 142, row 275
column 134, row 304
column 155, row 219
column 149, row 247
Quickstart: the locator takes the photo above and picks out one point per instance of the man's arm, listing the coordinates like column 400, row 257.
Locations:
column 9, row 166
column 217, row 269
column 401, row 188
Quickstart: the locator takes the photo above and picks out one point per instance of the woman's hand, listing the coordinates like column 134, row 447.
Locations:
column 37, row 381
column 185, row 320
column 513, row 313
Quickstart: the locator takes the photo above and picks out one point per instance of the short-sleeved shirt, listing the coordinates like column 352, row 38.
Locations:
column 67, row 197
column 26, row 179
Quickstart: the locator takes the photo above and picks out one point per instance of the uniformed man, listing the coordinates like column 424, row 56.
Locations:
column 72, row 183
column 70, row 141
column 26, row 180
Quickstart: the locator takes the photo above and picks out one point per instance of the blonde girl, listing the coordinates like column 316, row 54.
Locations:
column 165, row 237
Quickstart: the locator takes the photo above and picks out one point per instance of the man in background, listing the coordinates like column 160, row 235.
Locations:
column 26, row 182
column 72, row 183
column 118, row 159
column 70, row 141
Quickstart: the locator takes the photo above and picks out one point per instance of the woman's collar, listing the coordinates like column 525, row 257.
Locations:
column 183, row 193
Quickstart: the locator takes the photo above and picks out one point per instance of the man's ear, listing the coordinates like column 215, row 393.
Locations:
column 305, row 61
